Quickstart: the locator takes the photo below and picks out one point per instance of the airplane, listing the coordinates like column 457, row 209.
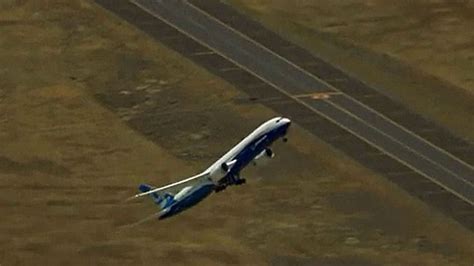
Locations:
column 177, row 197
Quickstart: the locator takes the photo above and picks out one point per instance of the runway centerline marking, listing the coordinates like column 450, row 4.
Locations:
column 317, row 95
column 306, row 105
column 399, row 142
column 204, row 53
column 326, row 83
column 226, row 69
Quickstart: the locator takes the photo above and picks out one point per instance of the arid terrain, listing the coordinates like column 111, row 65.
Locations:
column 90, row 107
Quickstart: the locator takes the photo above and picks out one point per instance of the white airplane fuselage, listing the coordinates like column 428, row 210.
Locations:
column 225, row 171
column 248, row 149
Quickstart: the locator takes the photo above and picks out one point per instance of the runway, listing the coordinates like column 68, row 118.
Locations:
column 368, row 126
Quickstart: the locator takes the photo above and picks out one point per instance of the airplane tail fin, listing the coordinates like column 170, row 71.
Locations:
column 145, row 188
column 162, row 200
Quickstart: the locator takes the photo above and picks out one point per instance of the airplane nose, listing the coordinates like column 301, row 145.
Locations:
column 287, row 124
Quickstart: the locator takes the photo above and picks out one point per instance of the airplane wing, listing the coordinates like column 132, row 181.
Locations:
column 176, row 186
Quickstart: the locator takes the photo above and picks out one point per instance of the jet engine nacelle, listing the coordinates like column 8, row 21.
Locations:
column 264, row 156
column 223, row 169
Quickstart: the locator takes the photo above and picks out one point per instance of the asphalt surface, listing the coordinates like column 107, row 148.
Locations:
column 318, row 99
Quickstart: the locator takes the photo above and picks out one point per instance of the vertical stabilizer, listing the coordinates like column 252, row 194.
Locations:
column 145, row 188
column 164, row 200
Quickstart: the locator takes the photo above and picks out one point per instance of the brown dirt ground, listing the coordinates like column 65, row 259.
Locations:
column 68, row 161
column 421, row 52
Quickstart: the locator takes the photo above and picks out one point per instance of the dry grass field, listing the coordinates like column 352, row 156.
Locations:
column 90, row 107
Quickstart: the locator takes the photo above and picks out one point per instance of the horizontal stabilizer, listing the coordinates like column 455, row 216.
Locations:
column 145, row 188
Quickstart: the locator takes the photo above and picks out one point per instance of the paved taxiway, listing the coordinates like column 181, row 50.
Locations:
column 401, row 152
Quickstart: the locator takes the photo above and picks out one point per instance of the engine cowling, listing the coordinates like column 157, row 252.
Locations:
column 264, row 156
column 222, row 170
column 224, row 167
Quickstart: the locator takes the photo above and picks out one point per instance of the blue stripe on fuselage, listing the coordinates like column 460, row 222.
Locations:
column 255, row 147
column 195, row 196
